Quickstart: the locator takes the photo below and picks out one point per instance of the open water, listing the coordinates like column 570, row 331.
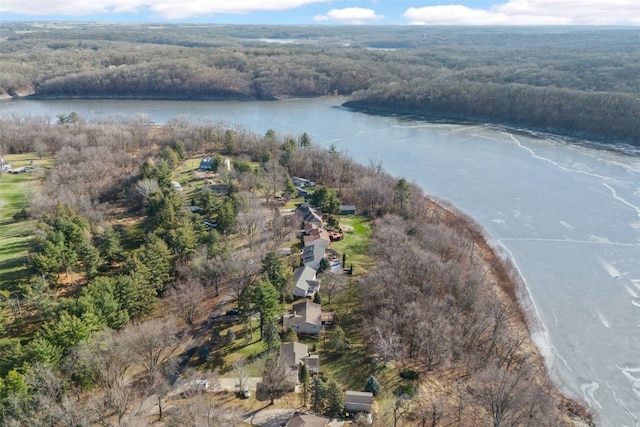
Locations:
column 568, row 214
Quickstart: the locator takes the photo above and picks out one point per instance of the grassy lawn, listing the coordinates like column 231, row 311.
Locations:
column 191, row 180
column 17, row 236
column 355, row 244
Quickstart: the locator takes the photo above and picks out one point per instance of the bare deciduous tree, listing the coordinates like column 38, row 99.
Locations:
column 187, row 297
column 152, row 342
column 146, row 187
column 244, row 270
column 280, row 228
column 240, row 374
column 501, row 393
column 251, row 223
column 274, row 376
column 333, row 284
column 201, row 410
column 272, row 178
column 105, row 359
column 387, row 344
column 429, row 410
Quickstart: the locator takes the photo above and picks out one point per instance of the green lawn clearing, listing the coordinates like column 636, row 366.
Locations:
column 16, row 236
column 355, row 243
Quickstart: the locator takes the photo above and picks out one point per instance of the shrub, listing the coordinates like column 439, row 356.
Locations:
column 22, row 214
column 405, row 391
column 230, row 337
column 204, row 354
column 290, row 335
column 409, row 374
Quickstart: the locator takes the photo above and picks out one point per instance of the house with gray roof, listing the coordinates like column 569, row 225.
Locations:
column 293, row 355
column 305, row 317
column 358, row 401
column 313, row 254
column 305, row 283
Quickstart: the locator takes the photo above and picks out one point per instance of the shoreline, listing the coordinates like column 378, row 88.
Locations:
column 555, row 134
column 511, row 287
column 558, row 135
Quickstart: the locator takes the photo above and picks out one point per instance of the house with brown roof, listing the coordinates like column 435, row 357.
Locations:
column 314, row 234
column 305, row 318
column 309, row 215
column 307, row 420
column 358, row 401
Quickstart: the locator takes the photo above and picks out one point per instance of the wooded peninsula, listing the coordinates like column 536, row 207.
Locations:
column 165, row 275
column 579, row 82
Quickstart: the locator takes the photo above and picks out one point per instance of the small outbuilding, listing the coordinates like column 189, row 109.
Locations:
column 347, row 209
column 358, row 401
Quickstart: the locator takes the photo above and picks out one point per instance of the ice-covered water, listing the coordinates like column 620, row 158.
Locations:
column 568, row 214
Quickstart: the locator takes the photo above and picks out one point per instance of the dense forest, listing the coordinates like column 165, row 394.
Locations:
column 104, row 315
column 570, row 81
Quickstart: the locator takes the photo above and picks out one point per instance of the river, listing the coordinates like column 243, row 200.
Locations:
column 568, row 214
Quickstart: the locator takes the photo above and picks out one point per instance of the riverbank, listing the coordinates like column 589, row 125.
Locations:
column 510, row 289
column 461, row 118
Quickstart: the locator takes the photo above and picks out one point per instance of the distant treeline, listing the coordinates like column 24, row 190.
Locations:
column 576, row 81
column 604, row 116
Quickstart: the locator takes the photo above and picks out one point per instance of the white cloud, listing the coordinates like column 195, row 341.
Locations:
column 531, row 12
column 164, row 8
column 350, row 15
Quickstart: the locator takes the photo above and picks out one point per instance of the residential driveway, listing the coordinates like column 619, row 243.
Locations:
column 229, row 384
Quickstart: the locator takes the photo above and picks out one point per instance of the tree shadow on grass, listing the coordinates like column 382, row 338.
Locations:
column 14, row 271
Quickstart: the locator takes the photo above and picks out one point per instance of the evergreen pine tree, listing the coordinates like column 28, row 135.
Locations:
column 318, row 392
column 305, row 384
column 372, row 385
column 334, row 400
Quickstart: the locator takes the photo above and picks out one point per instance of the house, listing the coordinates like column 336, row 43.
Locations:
column 313, row 254
column 208, row 164
column 313, row 233
column 293, row 355
column 305, row 283
column 305, row 318
column 347, row 209
column 307, row 420
column 358, row 401
column 301, row 182
column 176, row 185
column 308, row 215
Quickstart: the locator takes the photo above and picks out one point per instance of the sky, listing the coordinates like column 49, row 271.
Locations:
column 330, row 12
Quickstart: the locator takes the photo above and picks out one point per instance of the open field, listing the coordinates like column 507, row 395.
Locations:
column 16, row 236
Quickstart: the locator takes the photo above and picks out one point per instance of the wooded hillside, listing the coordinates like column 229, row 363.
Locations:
column 570, row 81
